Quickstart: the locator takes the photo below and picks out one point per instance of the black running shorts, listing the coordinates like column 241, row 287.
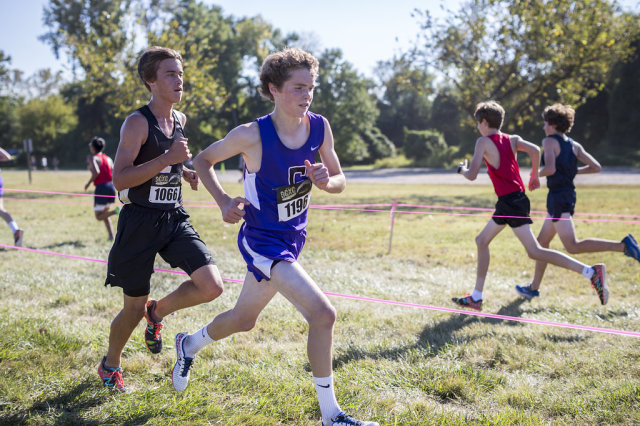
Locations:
column 144, row 232
column 106, row 188
column 559, row 202
column 513, row 210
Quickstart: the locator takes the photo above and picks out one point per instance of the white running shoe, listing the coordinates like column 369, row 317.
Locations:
column 182, row 367
column 343, row 420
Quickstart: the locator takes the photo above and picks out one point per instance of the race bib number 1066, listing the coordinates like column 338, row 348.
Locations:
column 165, row 188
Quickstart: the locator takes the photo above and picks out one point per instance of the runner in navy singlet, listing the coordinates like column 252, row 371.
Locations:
column 498, row 151
column 560, row 166
column 280, row 169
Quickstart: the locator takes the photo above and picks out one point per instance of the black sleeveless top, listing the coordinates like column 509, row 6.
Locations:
column 566, row 166
column 164, row 190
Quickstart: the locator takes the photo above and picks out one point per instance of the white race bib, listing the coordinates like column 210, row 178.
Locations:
column 293, row 200
column 165, row 188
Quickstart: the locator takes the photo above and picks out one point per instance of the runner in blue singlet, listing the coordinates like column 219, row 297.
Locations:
column 280, row 169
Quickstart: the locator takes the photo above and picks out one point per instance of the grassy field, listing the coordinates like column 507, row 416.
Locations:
column 397, row 365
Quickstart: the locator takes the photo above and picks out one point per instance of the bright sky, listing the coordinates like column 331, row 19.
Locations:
column 365, row 33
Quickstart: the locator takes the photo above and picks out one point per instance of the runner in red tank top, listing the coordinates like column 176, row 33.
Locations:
column 498, row 150
column 101, row 166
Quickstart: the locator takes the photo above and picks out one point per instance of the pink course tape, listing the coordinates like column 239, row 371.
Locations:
column 374, row 300
column 359, row 207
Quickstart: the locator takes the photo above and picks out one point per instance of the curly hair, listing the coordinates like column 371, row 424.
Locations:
column 277, row 67
column 559, row 115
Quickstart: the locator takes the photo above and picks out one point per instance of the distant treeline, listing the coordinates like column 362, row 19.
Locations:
column 417, row 110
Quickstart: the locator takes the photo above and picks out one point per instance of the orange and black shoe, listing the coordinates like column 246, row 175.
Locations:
column 152, row 336
column 468, row 302
column 599, row 283
column 111, row 377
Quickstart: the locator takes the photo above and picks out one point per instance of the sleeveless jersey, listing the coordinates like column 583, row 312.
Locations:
column 164, row 190
column 280, row 192
column 105, row 172
column 566, row 166
column 506, row 178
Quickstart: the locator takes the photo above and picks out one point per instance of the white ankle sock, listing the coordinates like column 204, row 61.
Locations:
column 196, row 341
column 476, row 295
column 326, row 398
column 14, row 226
column 588, row 271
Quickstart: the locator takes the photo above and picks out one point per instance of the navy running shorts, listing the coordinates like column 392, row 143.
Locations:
column 513, row 210
column 144, row 232
column 107, row 188
column 262, row 249
column 559, row 202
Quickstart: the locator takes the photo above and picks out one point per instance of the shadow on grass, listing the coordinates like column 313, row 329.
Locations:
column 67, row 408
column 75, row 244
column 434, row 338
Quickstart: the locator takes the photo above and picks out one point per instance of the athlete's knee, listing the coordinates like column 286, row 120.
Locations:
column 212, row 291
column 535, row 252
column 481, row 241
column 324, row 316
column 245, row 323
column 134, row 310
column 573, row 247
column 210, row 286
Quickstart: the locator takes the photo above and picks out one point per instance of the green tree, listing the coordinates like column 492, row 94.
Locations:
column 406, row 100
column 343, row 97
column 526, row 54
column 9, row 126
column 45, row 121
column 428, row 148
column 624, row 109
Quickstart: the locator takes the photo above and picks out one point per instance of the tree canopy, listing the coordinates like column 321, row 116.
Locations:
column 524, row 54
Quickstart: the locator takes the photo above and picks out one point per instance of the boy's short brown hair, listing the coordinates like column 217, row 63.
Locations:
column 559, row 115
column 490, row 111
column 277, row 67
column 149, row 62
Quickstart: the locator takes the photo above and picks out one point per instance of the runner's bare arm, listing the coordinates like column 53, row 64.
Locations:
column 327, row 175
column 241, row 140
column 550, row 149
column 472, row 171
column 534, row 152
column 591, row 164
column 4, row 155
column 94, row 168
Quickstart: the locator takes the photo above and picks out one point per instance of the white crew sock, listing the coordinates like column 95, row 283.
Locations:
column 326, row 398
column 196, row 341
column 14, row 226
column 588, row 271
column 476, row 295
